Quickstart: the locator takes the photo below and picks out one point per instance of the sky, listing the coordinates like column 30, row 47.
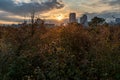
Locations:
column 16, row 11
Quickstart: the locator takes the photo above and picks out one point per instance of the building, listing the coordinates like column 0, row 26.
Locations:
column 72, row 17
column 117, row 20
column 84, row 21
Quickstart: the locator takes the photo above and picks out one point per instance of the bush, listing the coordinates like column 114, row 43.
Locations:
column 62, row 53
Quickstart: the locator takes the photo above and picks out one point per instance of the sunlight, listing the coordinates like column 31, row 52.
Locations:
column 60, row 17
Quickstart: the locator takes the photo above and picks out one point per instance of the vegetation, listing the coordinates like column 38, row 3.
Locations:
column 60, row 53
column 96, row 21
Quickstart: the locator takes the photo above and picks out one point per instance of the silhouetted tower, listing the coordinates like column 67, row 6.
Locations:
column 72, row 17
column 84, row 20
column 117, row 20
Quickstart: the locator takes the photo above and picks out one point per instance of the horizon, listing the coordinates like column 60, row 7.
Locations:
column 16, row 11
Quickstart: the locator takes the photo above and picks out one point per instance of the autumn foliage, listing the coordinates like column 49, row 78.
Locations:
column 61, row 53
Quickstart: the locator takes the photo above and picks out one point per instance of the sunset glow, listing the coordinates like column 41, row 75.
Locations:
column 60, row 17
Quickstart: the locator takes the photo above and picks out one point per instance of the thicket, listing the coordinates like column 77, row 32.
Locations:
column 60, row 53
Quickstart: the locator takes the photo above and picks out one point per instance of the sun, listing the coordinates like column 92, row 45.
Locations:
column 59, row 17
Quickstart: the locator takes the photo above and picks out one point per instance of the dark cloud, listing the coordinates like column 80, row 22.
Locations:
column 5, row 16
column 115, row 2
column 25, row 8
column 112, row 2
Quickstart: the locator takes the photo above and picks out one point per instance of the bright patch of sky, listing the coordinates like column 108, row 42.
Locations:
column 21, row 1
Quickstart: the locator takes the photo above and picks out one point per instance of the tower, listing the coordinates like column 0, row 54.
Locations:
column 117, row 20
column 84, row 20
column 72, row 17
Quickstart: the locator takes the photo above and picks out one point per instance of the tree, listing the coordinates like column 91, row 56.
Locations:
column 97, row 21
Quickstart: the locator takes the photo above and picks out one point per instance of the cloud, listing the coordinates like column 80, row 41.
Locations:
column 117, row 2
column 6, row 16
column 111, row 2
column 25, row 8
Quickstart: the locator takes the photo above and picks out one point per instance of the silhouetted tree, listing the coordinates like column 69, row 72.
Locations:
column 96, row 21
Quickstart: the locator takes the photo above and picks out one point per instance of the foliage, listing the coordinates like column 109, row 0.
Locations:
column 96, row 21
column 61, row 53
